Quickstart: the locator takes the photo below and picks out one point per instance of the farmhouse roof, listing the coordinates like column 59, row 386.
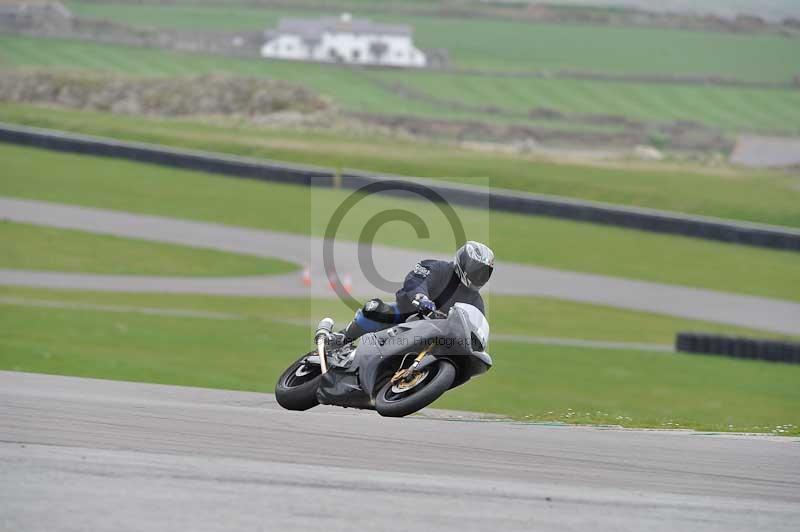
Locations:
column 314, row 28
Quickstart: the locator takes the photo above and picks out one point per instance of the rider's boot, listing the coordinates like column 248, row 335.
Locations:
column 350, row 333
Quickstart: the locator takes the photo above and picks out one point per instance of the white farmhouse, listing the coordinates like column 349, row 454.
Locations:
column 343, row 40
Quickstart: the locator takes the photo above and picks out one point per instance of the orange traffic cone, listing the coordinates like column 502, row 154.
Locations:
column 347, row 284
column 306, row 277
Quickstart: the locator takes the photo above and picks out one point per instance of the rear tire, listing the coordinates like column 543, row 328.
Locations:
column 298, row 392
column 391, row 404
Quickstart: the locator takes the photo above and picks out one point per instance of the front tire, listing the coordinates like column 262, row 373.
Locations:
column 393, row 403
column 297, row 386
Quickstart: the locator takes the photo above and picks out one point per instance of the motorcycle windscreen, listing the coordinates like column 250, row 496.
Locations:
column 477, row 324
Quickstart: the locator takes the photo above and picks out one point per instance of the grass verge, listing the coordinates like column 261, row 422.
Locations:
column 30, row 247
column 529, row 316
column 543, row 383
column 636, row 389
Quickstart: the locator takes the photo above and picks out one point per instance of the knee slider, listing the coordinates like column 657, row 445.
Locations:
column 377, row 310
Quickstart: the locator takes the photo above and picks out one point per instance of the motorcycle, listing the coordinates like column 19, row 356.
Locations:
column 396, row 371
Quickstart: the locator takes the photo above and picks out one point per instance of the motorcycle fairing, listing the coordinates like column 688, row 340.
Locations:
column 376, row 356
column 341, row 387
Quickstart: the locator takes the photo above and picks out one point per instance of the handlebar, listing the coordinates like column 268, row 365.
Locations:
column 435, row 313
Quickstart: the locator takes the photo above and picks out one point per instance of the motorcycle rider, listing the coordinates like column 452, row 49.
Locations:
column 432, row 285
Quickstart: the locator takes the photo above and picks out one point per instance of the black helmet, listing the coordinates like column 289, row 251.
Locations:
column 474, row 263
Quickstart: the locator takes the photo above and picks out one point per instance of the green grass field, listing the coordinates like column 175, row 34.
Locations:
column 727, row 108
column 767, row 197
column 630, row 388
column 245, row 342
column 348, row 88
column 29, row 247
column 732, row 109
column 518, row 45
column 128, row 186
column 537, row 317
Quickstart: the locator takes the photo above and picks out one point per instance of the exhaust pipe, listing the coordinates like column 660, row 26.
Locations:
column 324, row 330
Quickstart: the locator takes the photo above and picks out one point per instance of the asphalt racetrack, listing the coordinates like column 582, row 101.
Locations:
column 83, row 454
column 392, row 263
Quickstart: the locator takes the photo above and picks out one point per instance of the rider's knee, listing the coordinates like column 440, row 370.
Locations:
column 376, row 310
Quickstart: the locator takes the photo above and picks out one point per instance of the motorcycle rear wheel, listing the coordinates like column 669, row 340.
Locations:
column 296, row 389
column 390, row 403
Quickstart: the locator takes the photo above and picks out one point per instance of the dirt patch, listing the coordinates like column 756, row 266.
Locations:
column 467, row 130
column 655, row 78
column 200, row 95
column 529, row 137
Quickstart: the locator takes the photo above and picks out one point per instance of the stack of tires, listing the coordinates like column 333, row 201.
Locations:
column 738, row 347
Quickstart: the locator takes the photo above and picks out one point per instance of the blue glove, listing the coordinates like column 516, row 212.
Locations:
column 425, row 304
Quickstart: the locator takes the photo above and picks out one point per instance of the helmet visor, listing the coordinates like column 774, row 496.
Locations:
column 478, row 274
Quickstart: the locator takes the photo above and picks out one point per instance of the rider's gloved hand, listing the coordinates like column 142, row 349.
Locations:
column 425, row 304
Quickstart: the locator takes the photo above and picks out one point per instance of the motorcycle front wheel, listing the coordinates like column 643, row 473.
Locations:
column 297, row 386
column 404, row 398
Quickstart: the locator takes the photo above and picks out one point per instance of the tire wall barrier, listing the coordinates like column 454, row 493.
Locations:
column 760, row 235
column 188, row 160
column 738, row 347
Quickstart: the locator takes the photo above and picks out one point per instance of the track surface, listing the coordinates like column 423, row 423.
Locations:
column 82, row 454
column 392, row 263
